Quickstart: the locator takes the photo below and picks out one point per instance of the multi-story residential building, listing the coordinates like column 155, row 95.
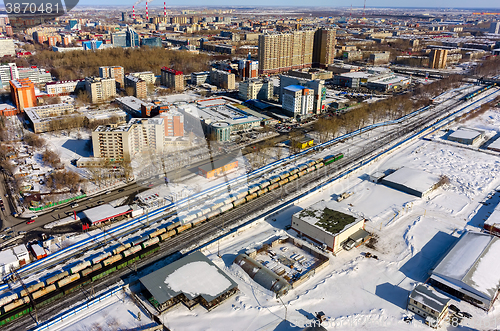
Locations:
column 248, row 68
column 174, row 123
column 41, row 118
column 324, row 47
column 437, row 58
column 63, row 87
column 298, row 101
column 123, row 142
column 261, row 89
column 285, row 51
column 494, row 28
column 139, row 86
column 7, row 47
column 8, row 72
column 317, row 85
column 34, row 74
column 199, row 78
column 100, row 89
column 222, row 79
column 115, row 72
column 23, row 93
column 172, row 78
column 147, row 76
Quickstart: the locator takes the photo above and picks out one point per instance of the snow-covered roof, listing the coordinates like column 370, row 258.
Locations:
column 194, row 275
column 38, row 250
column 104, row 212
column 427, row 296
column 464, row 133
column 472, row 264
column 7, row 257
column 414, row 179
column 495, row 145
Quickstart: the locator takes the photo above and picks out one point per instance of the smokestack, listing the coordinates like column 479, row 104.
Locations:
column 133, row 12
column 164, row 9
column 147, row 13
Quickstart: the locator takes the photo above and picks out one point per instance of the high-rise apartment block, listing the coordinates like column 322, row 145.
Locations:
column 174, row 123
column 139, row 86
column 139, row 136
column 298, row 101
column 222, row 79
column 8, row 72
column 147, row 76
column 285, row 51
column 248, row 68
column 437, row 58
column 317, row 86
column 172, row 78
column 100, row 89
column 113, row 72
column 256, row 89
column 23, row 93
column 324, row 47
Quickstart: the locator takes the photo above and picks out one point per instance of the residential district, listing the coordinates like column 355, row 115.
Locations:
column 250, row 169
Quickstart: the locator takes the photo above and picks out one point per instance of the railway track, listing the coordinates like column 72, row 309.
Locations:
column 207, row 231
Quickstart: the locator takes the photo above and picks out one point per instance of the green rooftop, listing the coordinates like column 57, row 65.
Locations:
column 332, row 221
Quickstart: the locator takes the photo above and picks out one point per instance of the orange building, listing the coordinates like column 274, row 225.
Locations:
column 23, row 93
column 218, row 167
column 174, row 123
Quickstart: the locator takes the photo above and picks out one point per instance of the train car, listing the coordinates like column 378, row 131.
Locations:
column 174, row 225
column 293, row 177
column 140, row 240
column 311, row 169
column 205, row 210
column 32, row 288
column 329, row 159
column 121, row 248
column 8, row 298
column 230, row 200
column 150, row 242
column 157, row 233
column 184, row 227
column 264, row 184
column 239, row 202
column 273, row 186
column 213, row 214
column 101, row 257
column 241, row 195
column 303, row 167
column 338, row 156
column 15, row 304
column 283, row 182
column 44, row 291
column 148, row 251
column 131, row 251
column 319, row 165
column 199, row 213
column 252, row 189
column 111, row 260
column 201, row 219
column 310, row 163
column 225, row 208
column 251, row 197
column 67, row 280
column 302, row 173
column 294, row 171
column 55, row 278
column 167, row 235
column 319, row 160
column 262, row 192
column 188, row 218
column 274, row 179
column 80, row 266
column 217, row 206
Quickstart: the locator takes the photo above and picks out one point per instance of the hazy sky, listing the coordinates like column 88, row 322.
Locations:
column 301, row 3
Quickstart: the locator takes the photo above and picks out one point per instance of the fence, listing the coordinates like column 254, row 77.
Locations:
column 57, row 203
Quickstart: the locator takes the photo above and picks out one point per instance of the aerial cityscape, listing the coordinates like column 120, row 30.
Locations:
column 249, row 166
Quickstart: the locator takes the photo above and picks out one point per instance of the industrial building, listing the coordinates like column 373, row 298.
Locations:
column 134, row 106
column 470, row 270
column 13, row 258
column 411, row 181
column 324, row 224
column 103, row 213
column 261, row 89
column 466, row 136
column 173, row 79
column 218, row 167
column 100, row 89
column 425, row 301
column 191, row 280
column 492, row 223
column 23, row 93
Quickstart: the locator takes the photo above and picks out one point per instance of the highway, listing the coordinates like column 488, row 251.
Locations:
column 201, row 234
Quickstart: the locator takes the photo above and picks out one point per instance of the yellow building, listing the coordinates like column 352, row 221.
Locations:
column 305, row 143
column 217, row 168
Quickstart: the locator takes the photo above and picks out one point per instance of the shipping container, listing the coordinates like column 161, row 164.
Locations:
column 55, row 278
column 69, row 279
column 150, row 242
column 32, row 288
column 239, row 202
column 225, row 208
column 44, row 291
column 251, row 196
column 80, row 266
column 157, row 233
column 101, row 257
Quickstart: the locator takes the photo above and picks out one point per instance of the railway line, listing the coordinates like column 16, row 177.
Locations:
column 199, row 235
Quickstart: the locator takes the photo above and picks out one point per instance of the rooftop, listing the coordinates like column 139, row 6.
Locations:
column 464, row 133
column 427, row 296
column 216, row 164
column 294, row 88
column 414, row 179
column 104, row 212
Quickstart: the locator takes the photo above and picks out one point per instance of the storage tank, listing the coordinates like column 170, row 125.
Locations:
column 55, row 278
column 69, row 279
column 80, row 266
column 8, row 298
column 42, row 292
column 102, row 257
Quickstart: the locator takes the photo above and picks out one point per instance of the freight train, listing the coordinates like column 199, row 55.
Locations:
column 55, row 287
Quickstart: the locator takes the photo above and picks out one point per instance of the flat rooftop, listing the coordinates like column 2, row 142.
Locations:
column 493, row 145
column 464, row 133
column 220, row 111
column 104, row 212
column 194, row 275
column 216, row 164
column 414, row 179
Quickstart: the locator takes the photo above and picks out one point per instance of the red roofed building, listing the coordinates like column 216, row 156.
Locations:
column 172, row 78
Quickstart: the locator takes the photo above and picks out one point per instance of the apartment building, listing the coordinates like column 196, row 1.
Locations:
column 199, row 78
column 63, row 87
column 41, row 118
column 174, row 123
column 34, row 74
column 222, row 79
column 317, row 86
column 8, row 72
column 139, row 86
column 172, row 78
column 324, row 47
column 261, row 89
column 298, row 101
column 124, row 142
column 147, row 76
column 100, row 89
column 437, row 58
column 113, row 72
column 23, row 93
column 7, row 47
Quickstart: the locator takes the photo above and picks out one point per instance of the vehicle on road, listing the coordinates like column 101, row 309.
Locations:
column 30, row 221
column 7, row 229
column 34, row 216
column 107, row 192
column 100, row 202
column 121, row 190
column 7, row 237
column 22, row 232
column 74, row 205
column 454, row 308
column 464, row 314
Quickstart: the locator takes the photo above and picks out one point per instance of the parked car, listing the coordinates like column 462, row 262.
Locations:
column 464, row 314
column 7, row 237
column 30, row 221
column 121, row 190
column 7, row 229
column 107, row 192
column 74, row 205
